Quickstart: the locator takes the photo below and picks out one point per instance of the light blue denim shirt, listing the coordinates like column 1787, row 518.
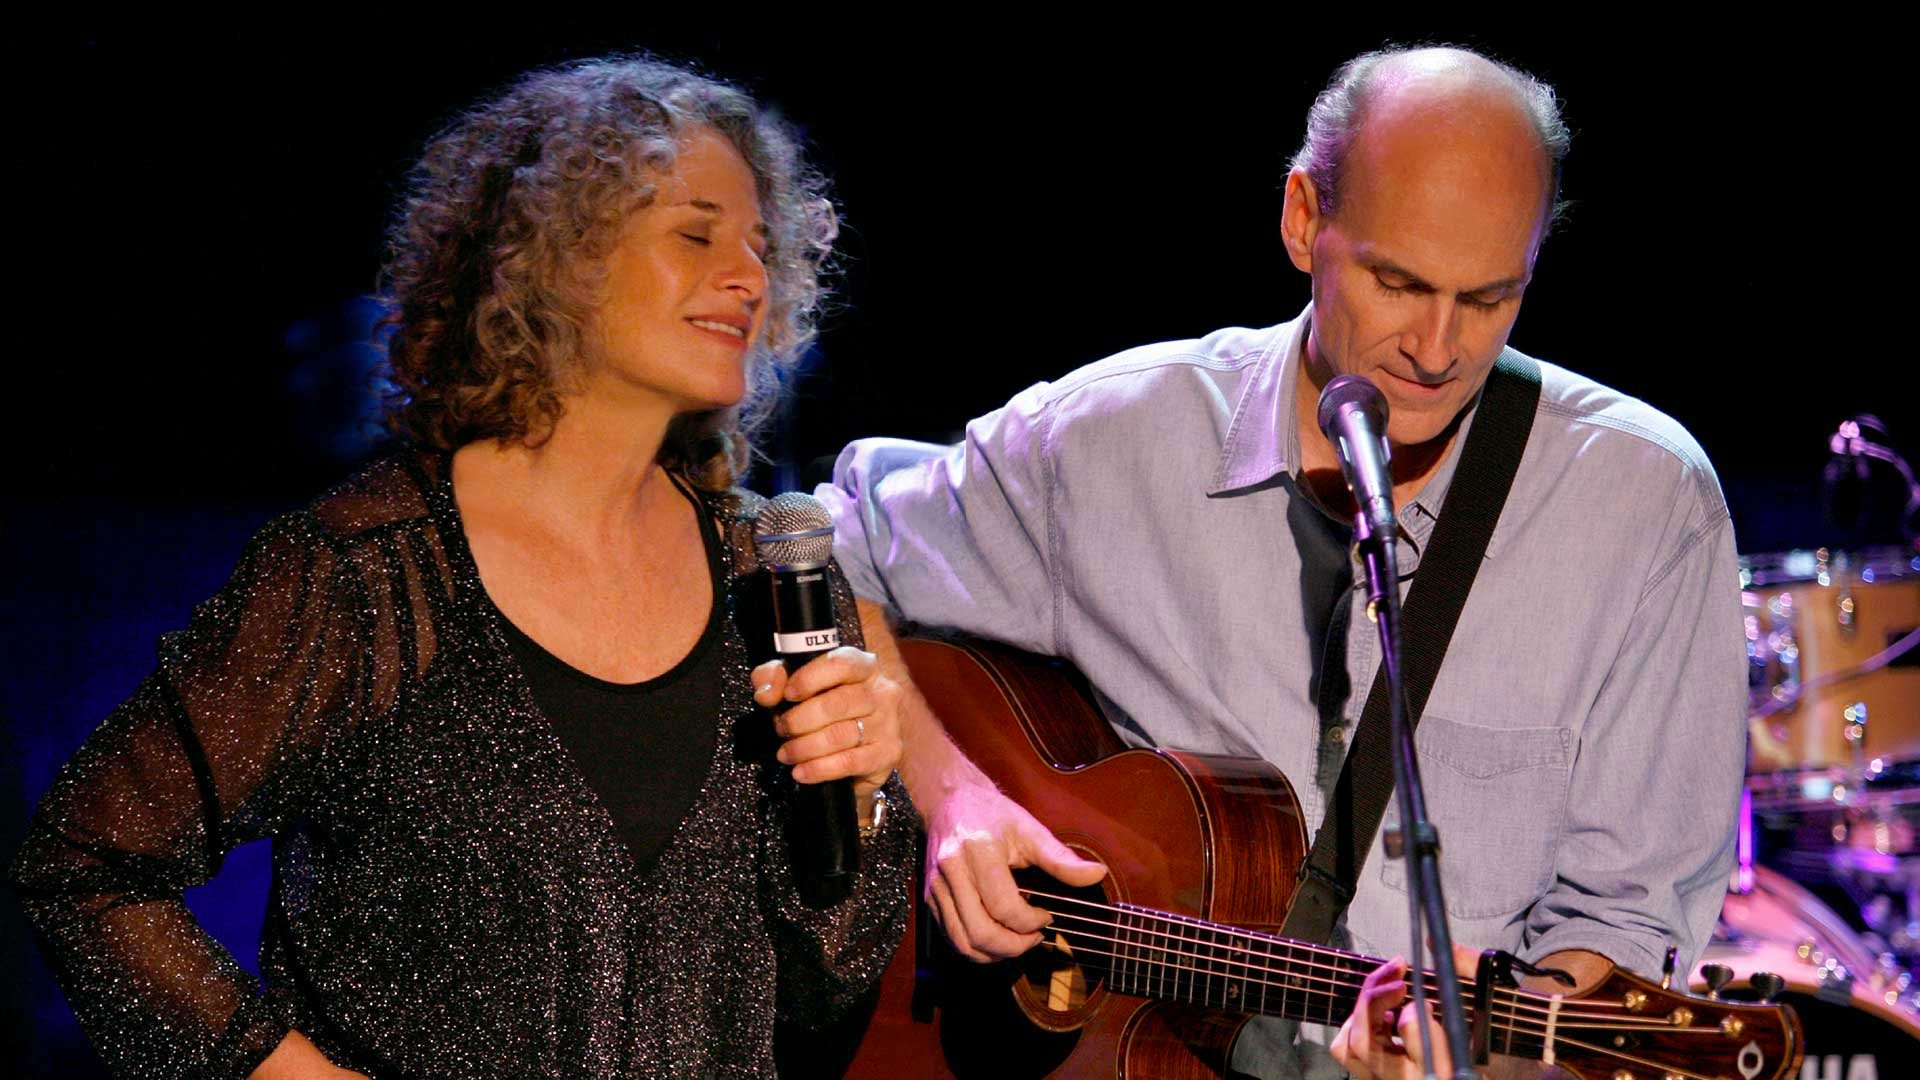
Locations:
column 1583, row 747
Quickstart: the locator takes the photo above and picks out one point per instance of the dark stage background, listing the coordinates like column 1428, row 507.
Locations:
column 197, row 222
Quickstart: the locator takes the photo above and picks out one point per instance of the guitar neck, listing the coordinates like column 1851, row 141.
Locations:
column 1155, row 954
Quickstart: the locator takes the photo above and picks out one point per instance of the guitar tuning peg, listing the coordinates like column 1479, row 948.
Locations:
column 1667, row 966
column 1767, row 985
column 1717, row 976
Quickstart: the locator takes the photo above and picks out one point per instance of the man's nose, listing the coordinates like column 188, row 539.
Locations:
column 1430, row 343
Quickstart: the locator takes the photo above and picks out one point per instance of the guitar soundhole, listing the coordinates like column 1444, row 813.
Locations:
column 1072, row 959
column 998, row 1021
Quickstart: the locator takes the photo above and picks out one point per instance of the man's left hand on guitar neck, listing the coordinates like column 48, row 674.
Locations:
column 1381, row 1039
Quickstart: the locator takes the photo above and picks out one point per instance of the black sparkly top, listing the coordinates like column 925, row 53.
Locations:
column 450, row 898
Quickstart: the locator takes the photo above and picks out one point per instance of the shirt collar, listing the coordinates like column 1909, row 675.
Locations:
column 1263, row 439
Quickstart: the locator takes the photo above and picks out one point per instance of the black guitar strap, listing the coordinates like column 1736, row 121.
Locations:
column 1447, row 568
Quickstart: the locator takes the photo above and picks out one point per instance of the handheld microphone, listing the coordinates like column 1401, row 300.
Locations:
column 794, row 539
column 1353, row 415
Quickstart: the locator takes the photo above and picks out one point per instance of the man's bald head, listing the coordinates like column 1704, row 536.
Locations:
column 1441, row 98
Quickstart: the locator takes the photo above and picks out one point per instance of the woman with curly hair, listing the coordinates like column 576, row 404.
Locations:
column 493, row 698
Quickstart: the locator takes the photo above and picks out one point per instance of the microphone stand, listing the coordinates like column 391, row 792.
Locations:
column 1850, row 442
column 1420, row 840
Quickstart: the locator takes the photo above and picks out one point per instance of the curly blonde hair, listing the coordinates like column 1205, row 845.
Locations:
column 497, row 253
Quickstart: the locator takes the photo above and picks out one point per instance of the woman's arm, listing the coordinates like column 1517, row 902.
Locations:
column 217, row 747
column 843, row 722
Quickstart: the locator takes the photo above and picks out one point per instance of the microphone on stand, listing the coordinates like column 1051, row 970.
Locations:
column 793, row 537
column 1353, row 415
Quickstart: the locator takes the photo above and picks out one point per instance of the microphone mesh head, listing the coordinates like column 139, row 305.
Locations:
column 1354, row 390
column 793, row 531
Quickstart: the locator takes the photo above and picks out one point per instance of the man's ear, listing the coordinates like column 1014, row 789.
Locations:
column 1300, row 219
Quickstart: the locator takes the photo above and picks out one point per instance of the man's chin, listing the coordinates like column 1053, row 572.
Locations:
column 1424, row 427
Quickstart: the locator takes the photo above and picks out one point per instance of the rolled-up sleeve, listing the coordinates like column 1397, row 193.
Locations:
column 957, row 536
column 1648, row 846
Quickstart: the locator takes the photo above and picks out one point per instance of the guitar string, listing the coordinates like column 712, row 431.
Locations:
column 1333, row 999
column 1516, row 1024
column 1513, row 998
column 1560, row 1039
column 1529, row 1047
column 1665, row 1069
column 1598, row 1021
column 1362, row 964
column 1517, row 998
column 1508, row 1021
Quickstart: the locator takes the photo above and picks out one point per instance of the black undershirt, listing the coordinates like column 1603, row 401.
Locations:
column 1326, row 579
column 643, row 747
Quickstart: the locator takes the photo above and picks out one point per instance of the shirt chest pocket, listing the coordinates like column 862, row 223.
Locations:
column 1498, row 797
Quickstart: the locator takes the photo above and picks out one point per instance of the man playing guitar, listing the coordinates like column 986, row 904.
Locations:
column 1172, row 521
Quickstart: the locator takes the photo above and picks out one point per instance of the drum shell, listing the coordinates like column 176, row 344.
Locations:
column 1857, row 1025
column 1807, row 619
column 1851, row 1032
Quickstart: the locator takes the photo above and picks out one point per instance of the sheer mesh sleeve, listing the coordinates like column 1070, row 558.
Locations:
column 827, row 959
column 221, row 744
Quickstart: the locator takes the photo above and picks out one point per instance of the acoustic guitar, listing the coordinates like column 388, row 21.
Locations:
column 1152, row 973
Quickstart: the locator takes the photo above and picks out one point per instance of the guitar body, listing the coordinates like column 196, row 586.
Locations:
column 1212, row 837
column 1202, row 853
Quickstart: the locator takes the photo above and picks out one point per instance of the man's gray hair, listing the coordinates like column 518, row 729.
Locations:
column 1336, row 116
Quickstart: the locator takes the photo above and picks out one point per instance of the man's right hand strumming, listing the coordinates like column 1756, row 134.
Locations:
column 976, row 836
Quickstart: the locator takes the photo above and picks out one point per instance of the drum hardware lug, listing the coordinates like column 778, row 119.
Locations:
column 1717, row 976
column 1835, row 983
column 1854, row 731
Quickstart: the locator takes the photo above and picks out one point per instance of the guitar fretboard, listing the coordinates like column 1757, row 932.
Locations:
column 1156, row 954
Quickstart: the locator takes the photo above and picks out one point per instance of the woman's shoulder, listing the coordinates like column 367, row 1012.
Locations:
column 733, row 512
column 345, row 524
column 735, row 504
column 392, row 491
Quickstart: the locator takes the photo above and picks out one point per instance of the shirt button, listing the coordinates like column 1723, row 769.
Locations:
column 1336, row 735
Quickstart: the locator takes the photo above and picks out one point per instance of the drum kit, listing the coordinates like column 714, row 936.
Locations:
column 1826, row 892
